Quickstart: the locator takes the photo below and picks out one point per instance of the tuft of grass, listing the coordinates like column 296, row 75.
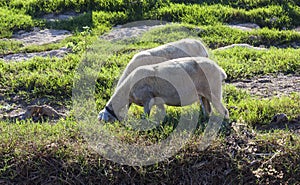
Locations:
column 256, row 112
column 40, row 76
column 241, row 63
column 271, row 16
column 9, row 46
column 12, row 20
column 74, row 24
column 108, row 19
column 221, row 35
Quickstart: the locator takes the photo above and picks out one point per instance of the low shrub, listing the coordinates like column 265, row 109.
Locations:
column 12, row 20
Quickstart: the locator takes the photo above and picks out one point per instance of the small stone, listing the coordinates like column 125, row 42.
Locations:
column 280, row 118
column 246, row 80
column 264, row 81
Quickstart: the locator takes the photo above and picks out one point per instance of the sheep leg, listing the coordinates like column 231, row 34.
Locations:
column 154, row 101
column 147, row 108
column 206, row 108
column 161, row 112
column 161, row 107
column 217, row 103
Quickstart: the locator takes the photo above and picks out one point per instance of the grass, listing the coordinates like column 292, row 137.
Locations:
column 241, row 63
column 272, row 16
column 12, row 20
column 218, row 36
column 34, row 77
column 256, row 112
column 58, row 153
column 279, row 15
column 36, row 153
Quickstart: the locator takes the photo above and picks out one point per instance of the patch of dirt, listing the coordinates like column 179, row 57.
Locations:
column 26, row 56
column 13, row 106
column 245, row 26
column 131, row 30
column 293, row 124
column 40, row 37
column 52, row 17
column 37, row 113
column 241, row 45
column 268, row 86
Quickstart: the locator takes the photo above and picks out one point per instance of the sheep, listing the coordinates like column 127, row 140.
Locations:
column 177, row 82
column 182, row 48
column 178, row 49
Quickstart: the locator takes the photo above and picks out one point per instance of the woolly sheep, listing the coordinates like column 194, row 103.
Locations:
column 171, row 83
column 182, row 48
column 179, row 49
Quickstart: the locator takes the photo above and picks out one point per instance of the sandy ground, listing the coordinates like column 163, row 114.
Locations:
column 38, row 37
column 26, row 56
column 269, row 86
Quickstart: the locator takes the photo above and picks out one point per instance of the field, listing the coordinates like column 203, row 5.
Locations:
column 259, row 144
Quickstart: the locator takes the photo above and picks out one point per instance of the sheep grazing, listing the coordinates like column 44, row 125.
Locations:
column 177, row 82
column 179, row 49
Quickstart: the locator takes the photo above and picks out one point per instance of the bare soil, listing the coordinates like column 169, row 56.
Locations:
column 40, row 37
column 268, row 85
column 59, row 53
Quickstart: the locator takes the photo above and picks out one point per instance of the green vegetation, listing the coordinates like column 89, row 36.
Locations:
column 57, row 153
column 275, row 14
column 11, row 20
column 272, row 16
column 246, row 63
column 256, row 112
column 216, row 36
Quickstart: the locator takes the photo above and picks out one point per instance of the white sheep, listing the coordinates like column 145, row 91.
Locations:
column 182, row 48
column 179, row 49
column 176, row 82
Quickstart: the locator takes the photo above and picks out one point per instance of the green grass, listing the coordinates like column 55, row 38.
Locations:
column 38, row 7
column 40, row 76
column 241, row 63
column 279, row 15
column 272, row 16
column 256, row 112
column 32, row 153
column 12, row 20
column 36, row 153
column 219, row 35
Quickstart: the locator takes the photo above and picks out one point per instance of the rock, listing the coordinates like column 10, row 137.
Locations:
column 57, row 17
column 245, row 26
column 131, row 30
column 246, row 80
column 36, row 112
column 40, row 37
column 26, row 56
column 264, row 81
column 280, row 118
column 240, row 45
